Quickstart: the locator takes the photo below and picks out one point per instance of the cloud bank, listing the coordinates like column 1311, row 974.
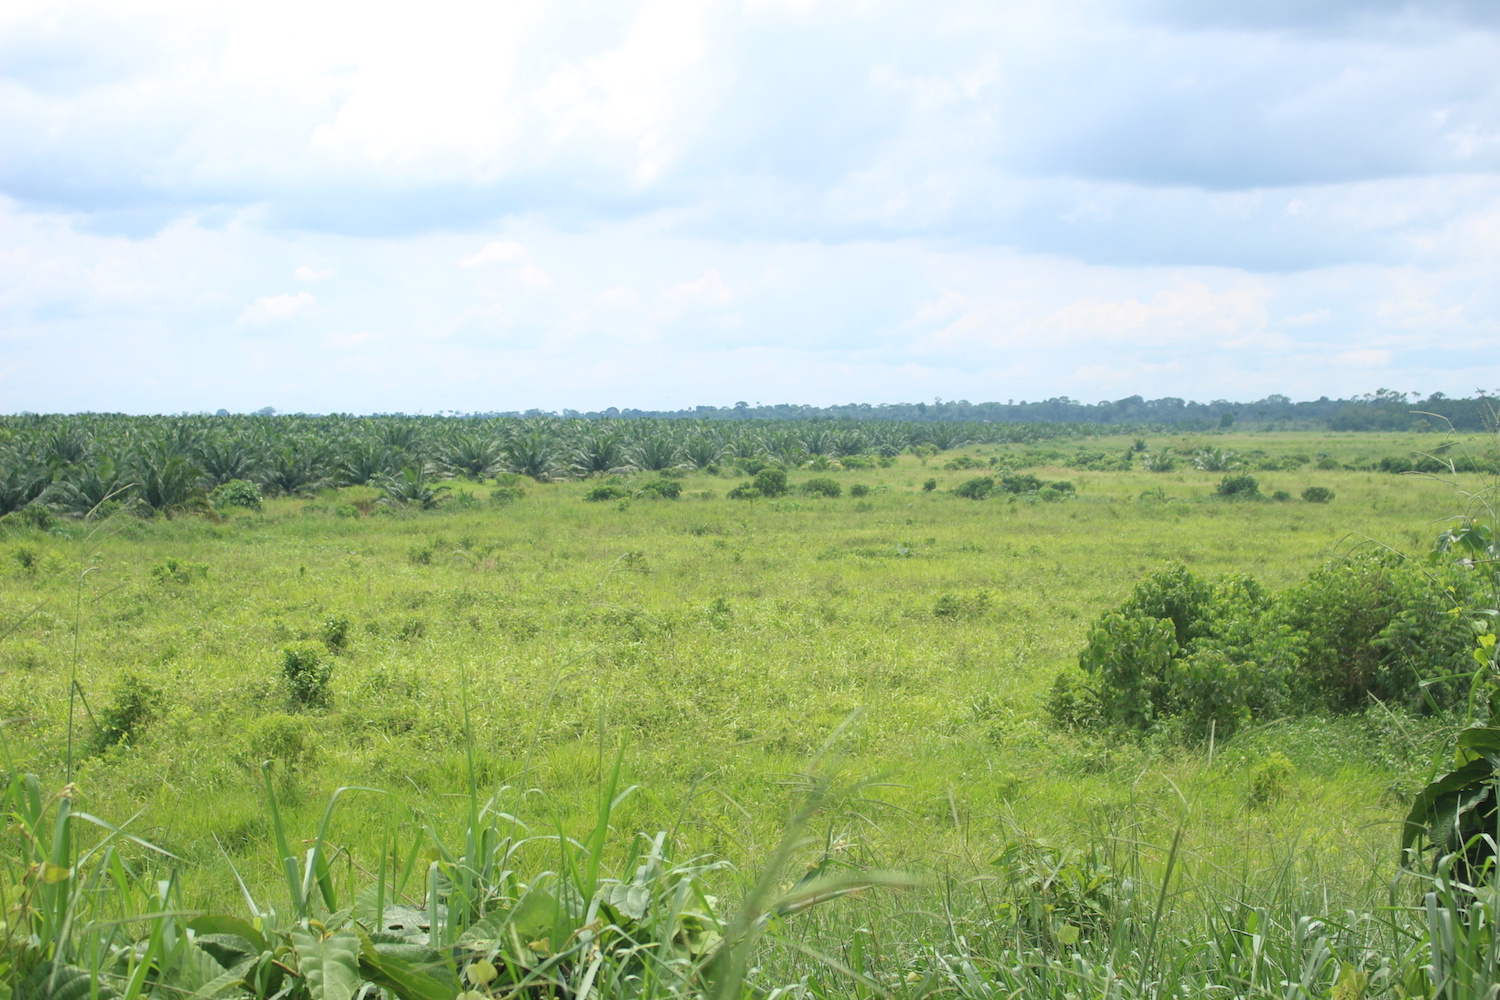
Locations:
column 664, row 202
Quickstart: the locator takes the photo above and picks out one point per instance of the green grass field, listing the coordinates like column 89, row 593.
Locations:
column 720, row 643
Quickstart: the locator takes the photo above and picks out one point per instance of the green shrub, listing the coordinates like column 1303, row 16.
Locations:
column 1019, row 483
column 335, row 632
column 1242, row 486
column 286, row 739
column 961, row 605
column 606, row 491
column 174, row 571
column 823, row 487
column 859, row 490
column 1281, row 496
column 1396, row 464
column 1270, row 780
column 660, row 489
column 1317, row 494
column 744, row 491
column 346, row 511
column 1379, row 625
column 135, row 704
column 236, row 493
column 1213, row 655
column 1328, row 463
column 771, row 482
column 975, row 489
column 506, row 495
column 308, row 675
column 929, row 486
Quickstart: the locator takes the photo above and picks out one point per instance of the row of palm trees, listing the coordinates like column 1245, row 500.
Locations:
column 75, row 464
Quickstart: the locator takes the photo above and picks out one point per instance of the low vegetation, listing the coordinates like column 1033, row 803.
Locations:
column 1061, row 723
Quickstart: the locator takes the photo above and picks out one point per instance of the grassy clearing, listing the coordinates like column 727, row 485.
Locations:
column 720, row 642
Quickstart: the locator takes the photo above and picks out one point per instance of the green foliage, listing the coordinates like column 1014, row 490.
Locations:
column 413, row 488
column 1240, row 487
column 961, row 605
column 236, row 493
column 335, row 632
column 1378, row 625
column 134, row 704
column 308, row 675
column 977, row 488
column 1317, row 494
column 929, row 485
column 859, row 490
column 660, row 488
column 606, row 491
column 504, row 496
column 823, row 487
column 179, row 572
column 771, row 482
column 1270, row 781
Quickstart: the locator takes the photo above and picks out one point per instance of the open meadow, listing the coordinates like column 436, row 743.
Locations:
column 715, row 645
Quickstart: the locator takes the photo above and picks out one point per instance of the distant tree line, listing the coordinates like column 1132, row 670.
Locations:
column 1384, row 409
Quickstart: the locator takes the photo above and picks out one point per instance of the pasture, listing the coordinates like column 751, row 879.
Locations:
column 715, row 645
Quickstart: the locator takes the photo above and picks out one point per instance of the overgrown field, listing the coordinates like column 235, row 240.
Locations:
column 716, row 644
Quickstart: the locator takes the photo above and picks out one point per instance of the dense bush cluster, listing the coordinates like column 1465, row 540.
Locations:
column 1219, row 655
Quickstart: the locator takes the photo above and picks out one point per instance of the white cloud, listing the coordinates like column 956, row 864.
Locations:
column 707, row 290
column 309, row 273
column 535, row 277
column 269, row 309
column 499, row 252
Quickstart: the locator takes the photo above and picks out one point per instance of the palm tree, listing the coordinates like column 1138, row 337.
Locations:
column 473, row 455
column 533, row 453
column 223, row 459
column 24, row 477
column 702, row 450
column 412, row 486
column 365, row 462
column 654, row 453
column 165, row 480
column 600, row 453
column 87, row 489
column 296, row 467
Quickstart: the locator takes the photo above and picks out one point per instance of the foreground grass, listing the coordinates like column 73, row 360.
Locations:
column 720, row 642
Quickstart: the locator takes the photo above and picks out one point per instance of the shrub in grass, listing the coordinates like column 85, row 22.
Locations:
column 308, row 675
column 929, row 486
column 661, row 488
column 1240, row 487
column 335, row 632
column 236, row 493
column 771, row 482
column 504, row 496
column 134, row 705
column 1317, row 494
column 974, row 489
column 1270, row 780
column 859, row 490
column 1281, row 496
column 822, row 487
column 606, row 491
column 744, row 491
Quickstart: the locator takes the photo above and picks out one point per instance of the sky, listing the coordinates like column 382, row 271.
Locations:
column 325, row 207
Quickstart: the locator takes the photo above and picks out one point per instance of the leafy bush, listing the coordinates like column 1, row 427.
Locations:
column 1328, row 463
column 175, row 571
column 1242, row 487
column 859, row 490
column 236, row 493
column 1281, row 496
column 961, row 605
column 1024, row 482
column 335, row 632
column 975, row 489
column 1378, row 625
column 929, row 486
column 660, row 489
column 1211, row 654
column 1396, row 464
column 1317, row 494
column 1270, row 780
column 771, row 482
column 744, row 491
column 606, row 491
column 135, row 704
column 308, row 675
column 823, row 487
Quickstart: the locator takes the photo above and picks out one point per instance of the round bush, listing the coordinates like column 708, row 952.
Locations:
column 1317, row 494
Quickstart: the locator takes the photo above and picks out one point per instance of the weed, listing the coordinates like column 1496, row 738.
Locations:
column 135, row 704
column 308, row 675
column 1317, row 494
column 1270, row 781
